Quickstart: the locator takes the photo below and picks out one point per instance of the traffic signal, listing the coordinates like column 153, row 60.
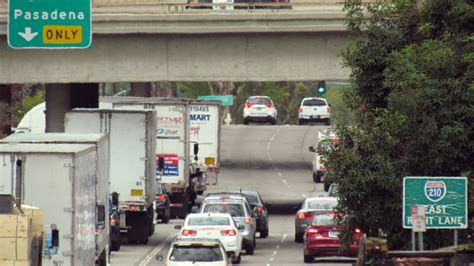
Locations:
column 321, row 89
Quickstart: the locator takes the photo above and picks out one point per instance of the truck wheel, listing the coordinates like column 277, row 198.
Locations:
column 143, row 241
column 301, row 122
column 165, row 219
column 298, row 237
column 115, row 245
column 237, row 261
column 308, row 259
column 317, row 177
column 246, row 122
column 249, row 250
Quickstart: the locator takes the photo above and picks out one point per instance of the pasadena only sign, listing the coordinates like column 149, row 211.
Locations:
column 49, row 24
column 444, row 199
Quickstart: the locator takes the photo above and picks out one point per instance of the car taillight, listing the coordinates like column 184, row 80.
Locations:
column 260, row 211
column 247, row 220
column 248, row 105
column 133, row 207
column 160, row 198
column 112, row 221
column 229, row 232
column 329, row 109
column 312, row 231
column 304, row 215
column 269, row 105
column 357, row 231
column 300, row 110
column 188, row 232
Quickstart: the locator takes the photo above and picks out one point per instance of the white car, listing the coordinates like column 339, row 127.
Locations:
column 196, row 252
column 327, row 139
column 260, row 109
column 314, row 110
column 218, row 226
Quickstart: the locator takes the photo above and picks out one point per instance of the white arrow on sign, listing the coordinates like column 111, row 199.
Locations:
column 28, row 35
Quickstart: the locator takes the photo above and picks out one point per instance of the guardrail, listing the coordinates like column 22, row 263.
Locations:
column 183, row 6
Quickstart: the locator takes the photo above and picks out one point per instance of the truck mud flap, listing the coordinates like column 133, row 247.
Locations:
column 138, row 227
column 179, row 205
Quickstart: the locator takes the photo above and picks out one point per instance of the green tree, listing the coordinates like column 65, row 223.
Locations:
column 413, row 97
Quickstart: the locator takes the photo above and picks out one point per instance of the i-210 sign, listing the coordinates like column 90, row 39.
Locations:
column 445, row 200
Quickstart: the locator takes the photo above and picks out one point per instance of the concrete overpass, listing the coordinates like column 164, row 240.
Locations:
column 143, row 44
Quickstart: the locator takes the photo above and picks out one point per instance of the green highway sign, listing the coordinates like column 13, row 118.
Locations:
column 444, row 198
column 49, row 24
column 226, row 100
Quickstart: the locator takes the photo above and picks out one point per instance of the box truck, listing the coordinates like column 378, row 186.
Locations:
column 61, row 181
column 101, row 144
column 172, row 145
column 205, row 129
column 132, row 144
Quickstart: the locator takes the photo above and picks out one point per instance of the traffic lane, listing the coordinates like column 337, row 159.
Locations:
column 291, row 143
column 285, row 187
column 278, row 248
column 139, row 254
column 241, row 143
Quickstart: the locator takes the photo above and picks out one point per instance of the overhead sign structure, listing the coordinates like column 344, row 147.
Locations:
column 49, row 24
column 444, row 200
column 226, row 100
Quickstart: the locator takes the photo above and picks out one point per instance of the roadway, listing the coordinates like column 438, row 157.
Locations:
column 273, row 160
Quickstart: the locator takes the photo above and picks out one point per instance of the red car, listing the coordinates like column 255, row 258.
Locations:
column 322, row 238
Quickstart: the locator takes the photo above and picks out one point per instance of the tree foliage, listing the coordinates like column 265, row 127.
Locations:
column 413, row 99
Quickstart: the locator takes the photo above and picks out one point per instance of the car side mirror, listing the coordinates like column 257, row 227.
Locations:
column 311, row 149
column 240, row 226
column 195, row 209
column 178, row 227
column 159, row 257
column 255, row 212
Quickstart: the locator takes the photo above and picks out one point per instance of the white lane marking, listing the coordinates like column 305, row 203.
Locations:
column 155, row 251
column 286, row 183
column 278, row 246
column 271, row 259
column 268, row 264
column 279, row 174
column 274, row 253
column 283, row 238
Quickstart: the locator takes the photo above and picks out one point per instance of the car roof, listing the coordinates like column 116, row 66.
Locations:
column 191, row 241
column 310, row 98
column 259, row 96
column 209, row 214
column 225, row 200
column 225, row 197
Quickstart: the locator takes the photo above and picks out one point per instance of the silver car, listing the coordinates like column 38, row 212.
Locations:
column 239, row 209
column 310, row 207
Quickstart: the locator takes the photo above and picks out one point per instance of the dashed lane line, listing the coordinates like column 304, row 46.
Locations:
column 155, row 251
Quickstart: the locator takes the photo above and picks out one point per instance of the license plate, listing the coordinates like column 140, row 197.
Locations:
column 209, row 160
column 333, row 234
column 136, row 192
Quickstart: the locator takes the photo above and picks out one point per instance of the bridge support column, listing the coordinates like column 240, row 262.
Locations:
column 140, row 89
column 57, row 104
column 5, row 111
column 60, row 98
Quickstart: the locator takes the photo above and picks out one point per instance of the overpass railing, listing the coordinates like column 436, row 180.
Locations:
column 193, row 6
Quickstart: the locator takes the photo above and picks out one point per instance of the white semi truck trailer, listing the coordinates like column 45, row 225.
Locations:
column 61, row 181
column 132, row 136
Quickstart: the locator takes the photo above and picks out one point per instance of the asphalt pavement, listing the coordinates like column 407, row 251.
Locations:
column 273, row 160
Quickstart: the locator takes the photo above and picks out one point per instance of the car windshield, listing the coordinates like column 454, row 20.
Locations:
column 235, row 210
column 252, row 199
column 322, row 220
column 196, row 221
column 196, row 253
column 314, row 102
column 319, row 205
column 262, row 101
